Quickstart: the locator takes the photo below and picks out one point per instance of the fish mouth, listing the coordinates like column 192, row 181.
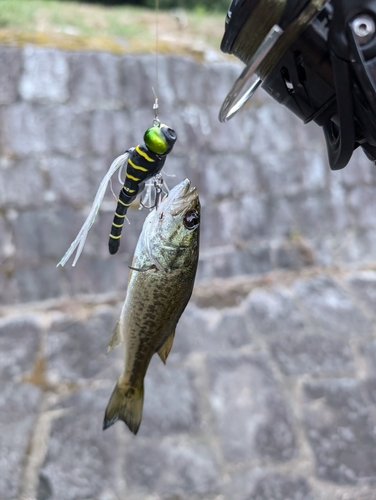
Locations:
column 182, row 196
column 187, row 190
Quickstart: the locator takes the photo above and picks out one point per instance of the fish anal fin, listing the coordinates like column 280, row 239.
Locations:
column 165, row 349
column 125, row 404
column 116, row 339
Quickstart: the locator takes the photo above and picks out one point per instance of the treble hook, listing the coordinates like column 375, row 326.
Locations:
column 158, row 183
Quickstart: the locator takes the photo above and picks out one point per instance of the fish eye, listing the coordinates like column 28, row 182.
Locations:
column 191, row 219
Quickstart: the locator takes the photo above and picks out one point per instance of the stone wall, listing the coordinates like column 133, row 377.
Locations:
column 269, row 392
column 269, row 199
column 271, row 398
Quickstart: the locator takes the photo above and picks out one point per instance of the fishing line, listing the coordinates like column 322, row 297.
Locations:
column 156, row 92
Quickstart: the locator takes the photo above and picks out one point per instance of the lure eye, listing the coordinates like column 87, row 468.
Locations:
column 191, row 219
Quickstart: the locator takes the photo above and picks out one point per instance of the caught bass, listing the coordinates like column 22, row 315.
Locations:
column 159, row 287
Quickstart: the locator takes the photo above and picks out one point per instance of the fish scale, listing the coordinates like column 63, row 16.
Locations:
column 151, row 330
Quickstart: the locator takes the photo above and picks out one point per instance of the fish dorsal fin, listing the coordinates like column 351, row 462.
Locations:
column 116, row 339
column 164, row 351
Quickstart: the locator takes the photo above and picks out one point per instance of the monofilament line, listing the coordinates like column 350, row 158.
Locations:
column 157, row 48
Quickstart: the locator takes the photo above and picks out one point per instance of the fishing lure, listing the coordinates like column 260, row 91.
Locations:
column 142, row 163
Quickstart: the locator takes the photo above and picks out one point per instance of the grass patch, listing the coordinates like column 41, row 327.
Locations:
column 131, row 29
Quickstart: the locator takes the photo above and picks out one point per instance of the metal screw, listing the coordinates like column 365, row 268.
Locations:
column 364, row 28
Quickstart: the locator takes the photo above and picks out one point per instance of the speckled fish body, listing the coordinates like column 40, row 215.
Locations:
column 159, row 288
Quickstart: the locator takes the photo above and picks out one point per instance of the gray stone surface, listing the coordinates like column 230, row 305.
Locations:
column 251, row 417
column 94, row 80
column 81, row 459
column 10, row 58
column 26, row 175
column 222, row 420
column 364, row 285
column 293, row 255
column 281, row 487
column 313, row 354
column 216, row 169
column 258, row 485
column 171, row 469
column 275, row 311
column 171, row 400
column 76, row 349
column 19, row 405
column 271, row 398
column 362, row 202
column 68, row 132
column 69, row 179
column 211, row 331
column 20, row 338
column 315, row 215
column 102, row 132
column 24, row 129
column 359, row 243
column 45, row 75
column 6, row 245
column 332, row 308
column 39, row 283
column 340, row 427
column 43, row 234
column 368, row 351
column 216, row 79
column 181, row 70
column 90, row 275
column 8, row 288
column 359, row 494
column 235, row 259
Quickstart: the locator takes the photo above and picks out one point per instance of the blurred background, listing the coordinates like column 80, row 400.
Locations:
column 269, row 392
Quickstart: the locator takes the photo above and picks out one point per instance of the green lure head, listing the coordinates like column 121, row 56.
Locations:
column 160, row 139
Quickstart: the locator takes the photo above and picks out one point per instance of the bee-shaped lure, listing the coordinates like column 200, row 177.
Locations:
column 142, row 163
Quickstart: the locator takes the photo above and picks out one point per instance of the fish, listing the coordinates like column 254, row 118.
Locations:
column 160, row 285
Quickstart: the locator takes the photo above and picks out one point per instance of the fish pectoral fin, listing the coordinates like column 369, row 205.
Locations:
column 116, row 339
column 125, row 404
column 142, row 269
column 165, row 349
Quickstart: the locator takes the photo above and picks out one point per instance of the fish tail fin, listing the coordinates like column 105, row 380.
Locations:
column 125, row 404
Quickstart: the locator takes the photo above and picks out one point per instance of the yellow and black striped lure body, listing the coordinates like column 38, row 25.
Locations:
column 144, row 162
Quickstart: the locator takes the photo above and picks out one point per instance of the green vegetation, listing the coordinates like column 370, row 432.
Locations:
column 221, row 5
column 119, row 28
column 69, row 17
